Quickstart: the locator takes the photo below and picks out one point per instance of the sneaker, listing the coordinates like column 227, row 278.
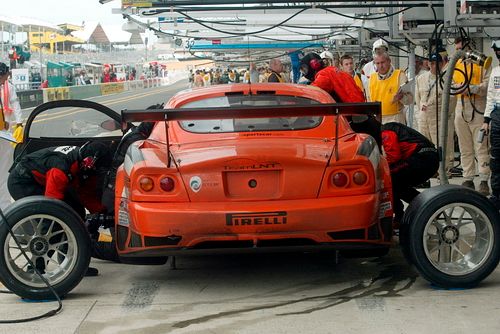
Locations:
column 484, row 189
column 91, row 272
column 456, row 171
column 469, row 184
column 426, row 184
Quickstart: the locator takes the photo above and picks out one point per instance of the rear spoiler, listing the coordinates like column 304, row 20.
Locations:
column 184, row 114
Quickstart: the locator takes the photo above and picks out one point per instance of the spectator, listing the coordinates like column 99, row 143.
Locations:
column 254, row 74
column 69, row 78
column 380, row 46
column 412, row 159
column 384, row 87
column 429, row 107
column 469, row 121
column 10, row 119
column 492, row 113
column 276, row 67
column 347, row 65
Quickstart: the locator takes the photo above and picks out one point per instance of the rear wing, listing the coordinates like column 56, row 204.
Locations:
column 184, row 114
column 236, row 112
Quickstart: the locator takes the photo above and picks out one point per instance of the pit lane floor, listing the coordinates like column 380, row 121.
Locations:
column 274, row 293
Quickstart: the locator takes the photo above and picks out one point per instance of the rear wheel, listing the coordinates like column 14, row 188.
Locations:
column 53, row 237
column 452, row 236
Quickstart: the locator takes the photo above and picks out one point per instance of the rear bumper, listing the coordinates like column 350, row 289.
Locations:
column 166, row 228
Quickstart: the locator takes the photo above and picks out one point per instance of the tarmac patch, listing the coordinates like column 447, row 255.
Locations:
column 140, row 295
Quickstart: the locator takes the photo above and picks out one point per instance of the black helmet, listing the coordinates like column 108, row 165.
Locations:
column 310, row 64
column 90, row 154
column 4, row 69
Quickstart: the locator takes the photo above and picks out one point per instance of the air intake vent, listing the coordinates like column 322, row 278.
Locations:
column 348, row 235
column 135, row 240
column 162, row 241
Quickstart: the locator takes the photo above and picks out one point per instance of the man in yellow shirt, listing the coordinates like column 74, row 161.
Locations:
column 347, row 65
column 384, row 87
column 471, row 104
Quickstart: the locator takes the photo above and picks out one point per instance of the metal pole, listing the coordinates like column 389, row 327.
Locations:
column 445, row 104
column 411, row 76
column 40, row 51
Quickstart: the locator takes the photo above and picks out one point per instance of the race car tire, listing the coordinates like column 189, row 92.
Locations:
column 53, row 236
column 452, row 235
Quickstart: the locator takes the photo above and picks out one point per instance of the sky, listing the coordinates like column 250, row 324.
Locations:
column 64, row 11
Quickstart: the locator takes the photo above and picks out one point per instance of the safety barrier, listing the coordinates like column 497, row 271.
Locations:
column 30, row 98
column 87, row 91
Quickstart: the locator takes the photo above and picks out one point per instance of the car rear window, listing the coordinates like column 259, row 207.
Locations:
column 251, row 124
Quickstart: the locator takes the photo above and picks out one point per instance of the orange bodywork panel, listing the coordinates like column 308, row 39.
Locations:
column 252, row 189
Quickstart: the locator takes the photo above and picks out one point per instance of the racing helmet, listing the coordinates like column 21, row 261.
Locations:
column 380, row 43
column 310, row 64
column 4, row 69
column 90, row 154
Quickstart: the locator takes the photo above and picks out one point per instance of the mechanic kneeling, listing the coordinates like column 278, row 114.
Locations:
column 412, row 158
column 67, row 173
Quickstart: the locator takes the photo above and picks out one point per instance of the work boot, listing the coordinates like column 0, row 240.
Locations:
column 469, row 184
column 91, row 272
column 484, row 189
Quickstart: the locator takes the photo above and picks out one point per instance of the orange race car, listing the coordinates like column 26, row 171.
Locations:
column 246, row 168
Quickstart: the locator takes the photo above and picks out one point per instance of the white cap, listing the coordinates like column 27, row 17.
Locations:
column 326, row 54
column 379, row 43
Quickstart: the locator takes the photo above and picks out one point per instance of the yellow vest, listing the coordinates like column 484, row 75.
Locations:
column 2, row 120
column 459, row 78
column 359, row 83
column 384, row 91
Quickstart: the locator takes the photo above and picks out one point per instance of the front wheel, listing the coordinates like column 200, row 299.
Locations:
column 452, row 235
column 53, row 237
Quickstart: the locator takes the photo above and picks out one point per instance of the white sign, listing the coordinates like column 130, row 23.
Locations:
column 20, row 76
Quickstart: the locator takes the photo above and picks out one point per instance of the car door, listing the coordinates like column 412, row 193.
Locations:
column 69, row 123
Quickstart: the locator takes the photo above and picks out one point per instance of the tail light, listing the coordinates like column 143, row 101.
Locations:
column 340, row 179
column 146, row 183
column 167, row 184
column 359, row 178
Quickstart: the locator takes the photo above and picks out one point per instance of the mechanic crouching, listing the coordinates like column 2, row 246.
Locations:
column 67, row 173
column 492, row 123
column 412, row 158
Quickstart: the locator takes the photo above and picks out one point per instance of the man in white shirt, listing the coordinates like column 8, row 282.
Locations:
column 492, row 123
column 380, row 46
column 10, row 118
column 428, row 103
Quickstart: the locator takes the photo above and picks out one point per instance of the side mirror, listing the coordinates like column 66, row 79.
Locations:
column 110, row 125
